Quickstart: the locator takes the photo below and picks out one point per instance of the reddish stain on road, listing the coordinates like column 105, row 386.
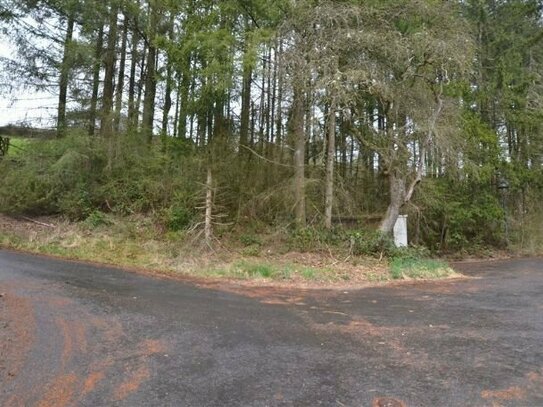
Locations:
column 73, row 336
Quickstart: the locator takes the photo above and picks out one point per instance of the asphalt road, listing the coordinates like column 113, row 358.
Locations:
column 78, row 335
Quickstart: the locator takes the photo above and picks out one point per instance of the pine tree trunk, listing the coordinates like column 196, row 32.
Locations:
column 132, row 116
column 141, row 86
column 279, row 106
column 245, row 110
column 120, row 80
column 167, row 100
column 184, row 99
column 64, row 79
column 330, row 162
column 269, row 72
column 176, row 113
column 298, row 110
column 262, row 108
column 106, row 127
column 168, row 103
column 150, row 79
column 208, row 223
column 273, row 100
column 96, row 80
column 149, row 96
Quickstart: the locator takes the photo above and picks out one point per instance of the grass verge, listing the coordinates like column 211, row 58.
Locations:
column 267, row 270
column 137, row 242
column 417, row 269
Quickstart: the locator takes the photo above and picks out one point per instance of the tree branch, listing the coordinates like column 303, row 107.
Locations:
column 427, row 141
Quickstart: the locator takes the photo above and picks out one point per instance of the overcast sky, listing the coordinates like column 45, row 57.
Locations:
column 28, row 106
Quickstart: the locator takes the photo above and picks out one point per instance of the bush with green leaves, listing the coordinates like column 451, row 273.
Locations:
column 313, row 238
column 250, row 240
column 50, row 177
column 178, row 218
column 371, row 243
column 454, row 216
column 97, row 218
column 73, row 176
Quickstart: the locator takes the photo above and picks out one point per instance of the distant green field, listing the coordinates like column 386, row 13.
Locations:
column 17, row 146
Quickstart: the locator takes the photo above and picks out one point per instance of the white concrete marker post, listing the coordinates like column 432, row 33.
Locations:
column 400, row 231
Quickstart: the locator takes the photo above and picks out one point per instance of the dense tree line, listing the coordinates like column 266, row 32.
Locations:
column 295, row 111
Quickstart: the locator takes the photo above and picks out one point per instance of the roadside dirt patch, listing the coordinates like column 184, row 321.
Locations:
column 229, row 264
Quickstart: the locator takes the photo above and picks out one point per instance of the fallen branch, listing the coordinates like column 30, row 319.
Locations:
column 38, row 222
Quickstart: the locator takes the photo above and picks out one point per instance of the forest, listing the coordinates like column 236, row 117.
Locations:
column 321, row 119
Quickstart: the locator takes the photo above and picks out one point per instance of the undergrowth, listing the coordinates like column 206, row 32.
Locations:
column 128, row 203
column 88, row 179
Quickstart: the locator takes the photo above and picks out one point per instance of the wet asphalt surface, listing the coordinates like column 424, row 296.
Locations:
column 79, row 335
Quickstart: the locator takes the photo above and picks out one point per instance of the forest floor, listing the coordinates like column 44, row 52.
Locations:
column 139, row 244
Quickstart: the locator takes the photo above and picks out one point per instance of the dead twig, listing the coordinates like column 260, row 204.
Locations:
column 37, row 222
column 267, row 159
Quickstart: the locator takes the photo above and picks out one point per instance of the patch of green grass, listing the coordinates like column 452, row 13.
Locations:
column 377, row 277
column 257, row 270
column 250, row 270
column 412, row 268
column 253, row 251
column 309, row 273
column 17, row 146
column 261, row 270
column 321, row 274
column 10, row 241
column 243, row 270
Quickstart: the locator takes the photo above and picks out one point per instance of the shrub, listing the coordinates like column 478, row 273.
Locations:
column 44, row 179
column 311, row 238
column 371, row 243
column 74, row 177
column 178, row 218
column 250, row 240
column 458, row 216
column 97, row 218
